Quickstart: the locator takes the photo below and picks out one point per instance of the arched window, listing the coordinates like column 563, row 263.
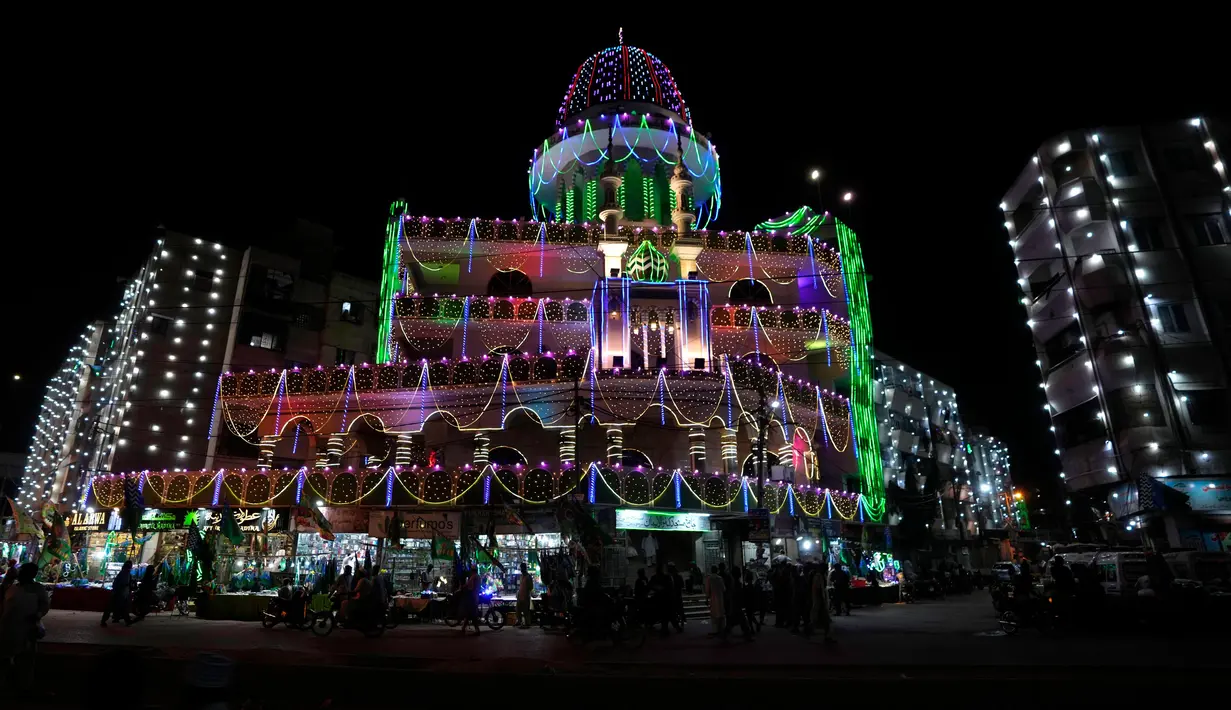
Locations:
column 510, row 283
column 633, row 458
column 750, row 465
column 505, row 457
column 749, row 292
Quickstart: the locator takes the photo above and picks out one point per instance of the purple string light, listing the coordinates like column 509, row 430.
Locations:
column 542, row 247
column 295, row 441
column 829, row 503
column 542, row 308
column 790, row 499
column 828, row 352
column 756, row 335
column 350, row 381
column 593, row 483
column 470, row 246
column 214, row 414
column 811, row 260
column 679, row 503
column 389, row 487
column 465, row 322
column 141, row 482
column 748, row 249
column 281, row 392
column 504, row 389
column 662, row 402
column 850, row 416
column 820, row 404
column 487, row 489
column 422, row 394
column 218, row 486
column 745, row 494
column 299, row 487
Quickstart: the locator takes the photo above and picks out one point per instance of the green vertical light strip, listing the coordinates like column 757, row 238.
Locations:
column 871, row 475
column 390, row 281
column 591, row 201
column 570, row 209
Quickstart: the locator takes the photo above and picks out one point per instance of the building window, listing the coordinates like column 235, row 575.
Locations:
column 352, row 312
column 1209, row 229
column 1208, row 408
column 159, row 325
column 1172, row 318
column 1148, row 233
column 265, row 341
column 510, row 283
column 1080, row 424
column 1122, row 163
column 344, row 357
column 1135, row 406
column 749, row 292
column 203, row 283
column 1180, row 158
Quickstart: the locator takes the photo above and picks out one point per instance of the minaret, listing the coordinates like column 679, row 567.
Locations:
column 682, row 187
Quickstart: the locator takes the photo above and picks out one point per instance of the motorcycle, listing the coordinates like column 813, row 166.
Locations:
column 366, row 622
column 1036, row 612
column 609, row 623
column 292, row 612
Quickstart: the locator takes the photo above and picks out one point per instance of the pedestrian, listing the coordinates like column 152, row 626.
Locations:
column 780, row 582
column 820, row 602
column 641, row 597
column 660, row 597
column 802, row 596
column 752, row 600
column 696, row 578
column 525, row 586
column 121, row 594
column 470, row 602
column 841, row 589
column 677, row 596
column 735, row 604
column 715, row 594
column 25, row 605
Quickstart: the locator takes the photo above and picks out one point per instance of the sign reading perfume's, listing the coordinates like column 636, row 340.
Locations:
column 632, row 519
column 416, row 525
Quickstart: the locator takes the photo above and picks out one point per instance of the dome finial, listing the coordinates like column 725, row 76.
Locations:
column 621, row 36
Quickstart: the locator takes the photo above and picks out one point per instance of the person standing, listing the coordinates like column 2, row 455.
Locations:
column 715, row 594
column 802, row 595
column 121, row 593
column 470, row 602
column 677, row 596
column 820, row 602
column 525, row 586
column 841, row 589
column 660, row 597
column 641, row 597
column 25, row 604
column 752, row 600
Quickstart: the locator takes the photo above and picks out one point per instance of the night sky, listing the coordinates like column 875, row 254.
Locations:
column 232, row 141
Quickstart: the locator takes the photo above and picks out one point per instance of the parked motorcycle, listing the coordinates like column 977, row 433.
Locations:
column 366, row 622
column 292, row 612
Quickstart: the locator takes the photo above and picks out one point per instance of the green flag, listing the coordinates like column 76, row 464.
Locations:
column 442, row 548
column 230, row 528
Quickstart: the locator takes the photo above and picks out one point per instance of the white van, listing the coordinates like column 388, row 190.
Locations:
column 1211, row 569
column 1118, row 572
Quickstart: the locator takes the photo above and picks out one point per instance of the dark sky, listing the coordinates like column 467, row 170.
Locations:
column 232, row 138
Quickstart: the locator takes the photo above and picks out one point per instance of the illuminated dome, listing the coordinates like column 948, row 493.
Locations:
column 623, row 75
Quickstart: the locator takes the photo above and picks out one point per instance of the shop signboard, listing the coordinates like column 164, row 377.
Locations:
column 154, row 519
column 758, row 525
column 346, row 520
column 784, row 525
column 260, row 520
column 824, row 527
column 633, row 519
column 1205, row 495
column 416, row 525
column 93, row 521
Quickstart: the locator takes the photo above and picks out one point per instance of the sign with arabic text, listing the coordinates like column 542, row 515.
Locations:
column 633, row 519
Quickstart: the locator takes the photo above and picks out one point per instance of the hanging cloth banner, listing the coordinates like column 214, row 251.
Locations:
column 313, row 519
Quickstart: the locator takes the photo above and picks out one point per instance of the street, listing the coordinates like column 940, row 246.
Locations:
column 954, row 638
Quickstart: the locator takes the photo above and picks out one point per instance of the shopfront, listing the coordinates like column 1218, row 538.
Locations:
column 680, row 538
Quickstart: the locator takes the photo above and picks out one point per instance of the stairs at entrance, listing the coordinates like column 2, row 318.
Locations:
column 695, row 607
